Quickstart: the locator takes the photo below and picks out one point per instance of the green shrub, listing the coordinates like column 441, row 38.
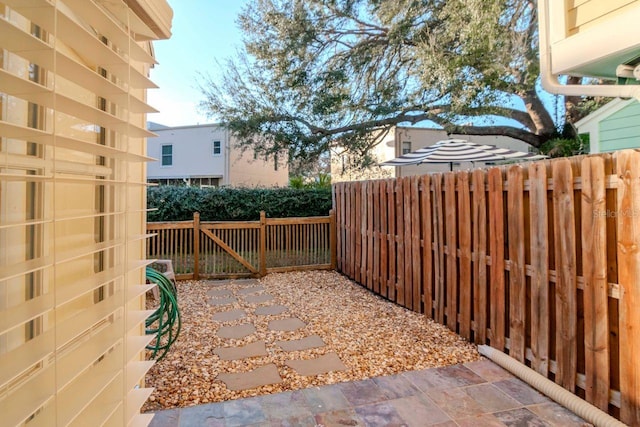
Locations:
column 235, row 204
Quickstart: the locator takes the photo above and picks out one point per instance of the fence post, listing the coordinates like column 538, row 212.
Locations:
column 332, row 238
column 196, row 245
column 263, row 244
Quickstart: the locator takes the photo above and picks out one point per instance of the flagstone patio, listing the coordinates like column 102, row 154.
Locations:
column 467, row 395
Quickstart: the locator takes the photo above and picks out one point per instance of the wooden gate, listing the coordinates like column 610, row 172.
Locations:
column 230, row 249
column 243, row 248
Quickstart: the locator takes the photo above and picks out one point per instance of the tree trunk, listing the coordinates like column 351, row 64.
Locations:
column 542, row 120
column 572, row 112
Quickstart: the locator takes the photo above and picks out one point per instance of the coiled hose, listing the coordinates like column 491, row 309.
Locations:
column 164, row 322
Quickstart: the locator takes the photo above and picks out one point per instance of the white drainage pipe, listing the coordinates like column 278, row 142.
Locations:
column 580, row 407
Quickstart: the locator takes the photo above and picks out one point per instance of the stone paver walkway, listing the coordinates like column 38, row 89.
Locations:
column 267, row 310
column 474, row 394
column 229, row 315
column 237, row 331
column 312, row 341
column 319, row 365
column 254, row 349
column 224, row 298
column 264, row 375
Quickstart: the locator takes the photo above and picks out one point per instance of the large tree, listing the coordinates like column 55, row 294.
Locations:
column 316, row 74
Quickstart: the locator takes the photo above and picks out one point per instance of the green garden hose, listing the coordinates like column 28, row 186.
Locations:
column 164, row 322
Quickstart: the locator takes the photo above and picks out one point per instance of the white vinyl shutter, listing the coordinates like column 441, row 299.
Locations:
column 73, row 84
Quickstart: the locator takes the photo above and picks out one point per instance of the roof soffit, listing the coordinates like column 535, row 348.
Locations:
column 156, row 14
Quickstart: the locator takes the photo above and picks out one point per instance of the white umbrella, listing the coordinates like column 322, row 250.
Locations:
column 459, row 150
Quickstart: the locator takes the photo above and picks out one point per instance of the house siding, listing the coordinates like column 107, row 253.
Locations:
column 583, row 14
column 621, row 130
column 589, row 38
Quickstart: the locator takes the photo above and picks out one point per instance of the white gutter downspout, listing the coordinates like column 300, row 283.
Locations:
column 580, row 407
column 550, row 82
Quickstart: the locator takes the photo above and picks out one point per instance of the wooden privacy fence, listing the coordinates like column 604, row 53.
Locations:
column 539, row 261
column 243, row 248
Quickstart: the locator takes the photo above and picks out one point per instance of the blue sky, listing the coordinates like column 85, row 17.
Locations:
column 204, row 31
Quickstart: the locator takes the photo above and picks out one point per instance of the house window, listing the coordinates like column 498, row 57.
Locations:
column 205, row 182
column 406, row 147
column 217, row 149
column 167, row 155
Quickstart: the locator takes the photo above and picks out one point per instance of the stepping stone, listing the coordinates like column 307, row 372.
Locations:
column 246, row 281
column 251, row 290
column 221, row 301
column 237, row 332
column 217, row 293
column 229, row 316
column 270, row 310
column 320, row 365
column 216, row 283
column 254, row 349
column 290, row 324
column 313, row 341
column 256, row 299
column 264, row 375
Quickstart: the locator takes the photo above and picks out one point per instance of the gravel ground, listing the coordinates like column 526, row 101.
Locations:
column 372, row 336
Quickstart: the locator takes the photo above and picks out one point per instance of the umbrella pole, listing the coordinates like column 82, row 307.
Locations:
column 451, row 166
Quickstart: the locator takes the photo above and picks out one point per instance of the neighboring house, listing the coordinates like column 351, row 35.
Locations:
column 614, row 126
column 207, row 156
column 401, row 140
column 593, row 38
column 73, row 81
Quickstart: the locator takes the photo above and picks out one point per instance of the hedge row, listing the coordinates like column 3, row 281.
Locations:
column 235, row 204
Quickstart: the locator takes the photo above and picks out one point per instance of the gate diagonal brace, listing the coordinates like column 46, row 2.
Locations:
column 231, row 252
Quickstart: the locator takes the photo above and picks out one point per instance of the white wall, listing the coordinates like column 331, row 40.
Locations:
column 193, row 157
column 192, row 152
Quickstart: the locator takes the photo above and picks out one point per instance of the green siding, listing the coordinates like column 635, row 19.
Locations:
column 622, row 129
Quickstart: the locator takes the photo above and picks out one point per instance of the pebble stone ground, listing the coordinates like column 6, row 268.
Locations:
column 473, row 394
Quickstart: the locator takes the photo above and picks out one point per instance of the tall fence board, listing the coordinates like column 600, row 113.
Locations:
column 540, row 261
column 628, row 210
column 594, row 228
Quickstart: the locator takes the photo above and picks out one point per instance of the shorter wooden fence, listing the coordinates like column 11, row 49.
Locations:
column 243, row 248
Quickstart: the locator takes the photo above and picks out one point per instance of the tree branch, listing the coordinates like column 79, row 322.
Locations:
column 513, row 132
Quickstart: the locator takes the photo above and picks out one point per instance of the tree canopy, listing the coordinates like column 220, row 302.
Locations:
column 318, row 74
